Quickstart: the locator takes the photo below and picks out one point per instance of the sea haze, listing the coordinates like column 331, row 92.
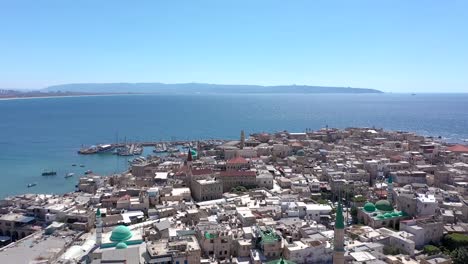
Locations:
column 45, row 133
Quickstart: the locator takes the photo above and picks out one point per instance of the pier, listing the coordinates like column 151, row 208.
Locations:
column 131, row 146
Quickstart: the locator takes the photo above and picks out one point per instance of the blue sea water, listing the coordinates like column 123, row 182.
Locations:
column 45, row 133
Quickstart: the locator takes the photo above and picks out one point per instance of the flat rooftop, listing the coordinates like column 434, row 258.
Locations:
column 33, row 248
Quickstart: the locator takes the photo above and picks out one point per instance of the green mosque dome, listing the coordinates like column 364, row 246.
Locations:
column 281, row 261
column 121, row 245
column 193, row 152
column 381, row 217
column 369, row 207
column 121, row 233
column 300, row 153
column 395, row 214
column 388, row 215
column 384, row 205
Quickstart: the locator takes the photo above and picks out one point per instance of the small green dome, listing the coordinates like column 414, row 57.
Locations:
column 300, row 153
column 121, row 245
column 384, row 205
column 381, row 217
column 395, row 214
column 121, row 233
column 193, row 152
column 369, row 207
column 388, row 215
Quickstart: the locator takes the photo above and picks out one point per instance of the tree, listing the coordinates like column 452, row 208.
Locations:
column 239, row 189
column 359, row 199
column 391, row 250
column 431, row 250
column 354, row 213
column 459, row 255
column 322, row 201
column 454, row 241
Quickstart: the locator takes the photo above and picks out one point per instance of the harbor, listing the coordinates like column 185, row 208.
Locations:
column 136, row 148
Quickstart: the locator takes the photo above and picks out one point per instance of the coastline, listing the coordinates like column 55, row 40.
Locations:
column 63, row 96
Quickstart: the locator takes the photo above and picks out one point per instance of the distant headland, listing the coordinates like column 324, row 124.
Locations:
column 199, row 88
column 78, row 89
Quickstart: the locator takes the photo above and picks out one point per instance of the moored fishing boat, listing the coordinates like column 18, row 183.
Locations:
column 49, row 173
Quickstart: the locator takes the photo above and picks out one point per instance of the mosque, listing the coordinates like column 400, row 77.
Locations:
column 121, row 236
column 382, row 213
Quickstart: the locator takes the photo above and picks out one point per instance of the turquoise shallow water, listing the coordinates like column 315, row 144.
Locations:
column 36, row 134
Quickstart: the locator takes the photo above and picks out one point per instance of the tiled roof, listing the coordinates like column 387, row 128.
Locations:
column 458, row 148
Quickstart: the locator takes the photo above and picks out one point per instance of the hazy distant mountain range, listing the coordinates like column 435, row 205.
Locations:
column 183, row 88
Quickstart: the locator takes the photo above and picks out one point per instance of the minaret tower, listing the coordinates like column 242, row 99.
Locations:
column 242, row 139
column 189, row 166
column 338, row 240
column 390, row 190
column 98, row 227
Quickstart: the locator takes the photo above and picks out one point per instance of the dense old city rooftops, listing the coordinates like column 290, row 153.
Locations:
column 355, row 195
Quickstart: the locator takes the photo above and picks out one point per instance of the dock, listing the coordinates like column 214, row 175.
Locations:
column 134, row 145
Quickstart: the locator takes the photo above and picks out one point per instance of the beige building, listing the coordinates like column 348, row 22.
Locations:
column 237, row 163
column 215, row 240
column 182, row 250
column 17, row 226
column 206, row 189
column 270, row 242
column 234, row 178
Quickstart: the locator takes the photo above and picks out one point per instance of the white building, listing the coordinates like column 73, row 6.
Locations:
column 309, row 252
column 426, row 205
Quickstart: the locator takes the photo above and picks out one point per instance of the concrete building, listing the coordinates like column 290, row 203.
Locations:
column 17, row 226
column 407, row 177
column 305, row 252
column 265, row 180
column 425, row 231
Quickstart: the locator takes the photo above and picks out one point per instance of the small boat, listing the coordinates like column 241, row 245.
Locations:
column 81, row 165
column 172, row 150
column 88, row 172
column 32, row 185
column 90, row 150
column 102, row 148
column 49, row 173
column 158, row 149
column 74, row 165
column 69, row 175
column 138, row 150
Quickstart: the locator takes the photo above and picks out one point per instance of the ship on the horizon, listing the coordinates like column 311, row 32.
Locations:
column 49, row 173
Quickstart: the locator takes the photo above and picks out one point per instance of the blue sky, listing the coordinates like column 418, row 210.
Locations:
column 395, row 46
